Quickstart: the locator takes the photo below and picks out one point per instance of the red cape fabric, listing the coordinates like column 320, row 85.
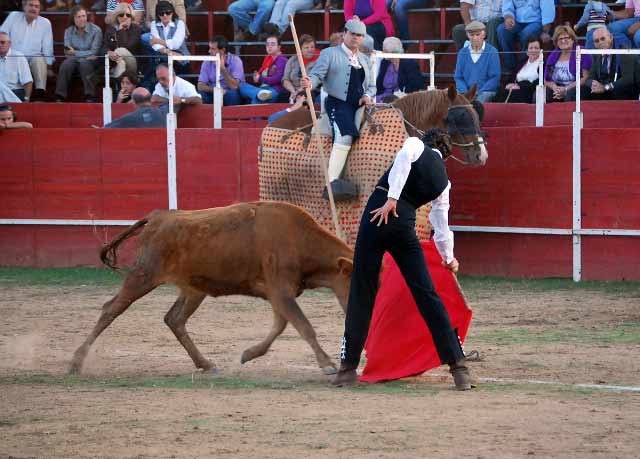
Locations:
column 399, row 343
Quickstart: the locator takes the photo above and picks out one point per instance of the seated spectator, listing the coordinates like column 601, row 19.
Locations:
column 8, row 119
column 268, row 76
column 14, row 69
column 612, row 77
column 31, row 35
column 292, row 72
column 524, row 19
column 184, row 93
column 145, row 114
column 231, row 74
column 82, row 42
column 374, row 15
column 627, row 24
column 178, row 6
column 522, row 86
column 299, row 102
column 282, row 9
column 136, row 5
column 560, row 68
column 395, row 75
column 595, row 15
column 336, row 38
column 478, row 64
column 489, row 12
column 122, row 41
column 400, row 10
column 7, row 95
column 245, row 27
column 128, row 83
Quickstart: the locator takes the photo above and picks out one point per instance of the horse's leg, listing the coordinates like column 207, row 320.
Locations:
column 286, row 305
column 136, row 285
column 176, row 319
column 260, row 349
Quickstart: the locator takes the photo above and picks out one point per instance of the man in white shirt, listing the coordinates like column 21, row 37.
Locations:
column 14, row 69
column 184, row 93
column 31, row 35
column 418, row 176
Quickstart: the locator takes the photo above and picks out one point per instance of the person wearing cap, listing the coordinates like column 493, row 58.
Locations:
column 524, row 19
column 374, row 15
column 478, row 64
column 489, row 12
column 418, row 176
column 395, row 75
column 347, row 77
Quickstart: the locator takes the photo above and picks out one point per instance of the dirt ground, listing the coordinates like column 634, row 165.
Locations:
column 139, row 395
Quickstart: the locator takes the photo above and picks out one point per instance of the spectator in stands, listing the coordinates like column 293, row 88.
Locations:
column 184, row 93
column 243, row 25
column 8, row 119
column 14, row 69
column 478, row 64
column 122, row 41
column 400, row 10
column 374, row 14
column 268, row 76
column 82, row 42
column 299, row 102
column 627, row 24
column 292, row 72
column 31, row 35
column 560, row 68
column 178, row 6
column 397, row 75
column 489, row 12
column 145, row 114
column 137, row 5
column 282, row 9
column 612, row 77
column 6, row 94
column 346, row 75
column 231, row 74
column 524, row 19
column 595, row 15
column 336, row 38
column 128, row 83
column 523, row 82
column 168, row 32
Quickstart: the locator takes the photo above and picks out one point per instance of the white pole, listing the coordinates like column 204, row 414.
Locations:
column 578, row 75
column 541, row 94
column 106, row 94
column 217, row 98
column 432, row 69
column 171, row 144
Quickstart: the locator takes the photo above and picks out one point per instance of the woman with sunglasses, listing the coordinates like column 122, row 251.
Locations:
column 112, row 5
column 168, row 34
column 560, row 69
column 122, row 41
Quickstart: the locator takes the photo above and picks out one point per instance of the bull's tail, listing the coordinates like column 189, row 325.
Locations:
column 108, row 253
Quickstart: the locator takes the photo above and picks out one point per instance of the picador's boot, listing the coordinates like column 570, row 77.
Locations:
column 342, row 189
column 461, row 376
column 346, row 376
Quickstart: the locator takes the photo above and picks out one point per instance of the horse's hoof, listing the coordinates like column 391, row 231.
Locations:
column 329, row 370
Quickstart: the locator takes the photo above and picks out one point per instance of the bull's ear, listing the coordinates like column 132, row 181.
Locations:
column 452, row 92
column 345, row 266
column 472, row 93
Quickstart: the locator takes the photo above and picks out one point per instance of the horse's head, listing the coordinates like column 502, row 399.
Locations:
column 463, row 125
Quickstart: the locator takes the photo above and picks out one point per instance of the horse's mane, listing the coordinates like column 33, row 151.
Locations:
column 425, row 109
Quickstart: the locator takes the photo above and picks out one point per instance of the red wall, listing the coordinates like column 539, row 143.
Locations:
column 121, row 174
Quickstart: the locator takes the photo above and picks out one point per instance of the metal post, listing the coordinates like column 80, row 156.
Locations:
column 171, row 144
column 107, row 97
column 432, row 69
column 577, row 196
column 541, row 94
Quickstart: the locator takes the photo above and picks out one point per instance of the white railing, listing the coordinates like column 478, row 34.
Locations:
column 541, row 93
column 376, row 55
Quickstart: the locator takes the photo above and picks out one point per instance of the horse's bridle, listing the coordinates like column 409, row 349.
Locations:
column 453, row 128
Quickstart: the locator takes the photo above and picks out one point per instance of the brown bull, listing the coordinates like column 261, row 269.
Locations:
column 270, row 250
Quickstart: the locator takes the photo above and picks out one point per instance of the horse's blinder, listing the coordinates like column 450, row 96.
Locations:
column 458, row 122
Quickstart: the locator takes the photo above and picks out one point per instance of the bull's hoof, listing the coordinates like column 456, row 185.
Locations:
column 329, row 370
column 245, row 357
column 74, row 369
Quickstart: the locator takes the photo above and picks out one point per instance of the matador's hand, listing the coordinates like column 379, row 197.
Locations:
column 452, row 266
column 383, row 212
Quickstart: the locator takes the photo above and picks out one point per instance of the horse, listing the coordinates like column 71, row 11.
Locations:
column 289, row 169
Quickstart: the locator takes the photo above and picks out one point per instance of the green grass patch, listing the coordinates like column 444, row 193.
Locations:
column 482, row 284
column 38, row 277
column 625, row 333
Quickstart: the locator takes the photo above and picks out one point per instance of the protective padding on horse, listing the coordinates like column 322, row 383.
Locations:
column 290, row 170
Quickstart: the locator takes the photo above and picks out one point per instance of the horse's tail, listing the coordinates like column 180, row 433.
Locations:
column 108, row 253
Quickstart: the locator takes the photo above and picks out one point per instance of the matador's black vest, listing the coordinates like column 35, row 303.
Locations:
column 355, row 90
column 427, row 179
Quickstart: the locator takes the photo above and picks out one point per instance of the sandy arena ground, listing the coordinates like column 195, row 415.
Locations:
column 137, row 398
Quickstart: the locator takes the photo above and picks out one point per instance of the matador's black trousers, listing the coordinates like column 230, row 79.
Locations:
column 399, row 238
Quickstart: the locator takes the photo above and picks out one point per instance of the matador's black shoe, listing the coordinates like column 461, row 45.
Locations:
column 342, row 191
column 346, row 376
column 461, row 375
